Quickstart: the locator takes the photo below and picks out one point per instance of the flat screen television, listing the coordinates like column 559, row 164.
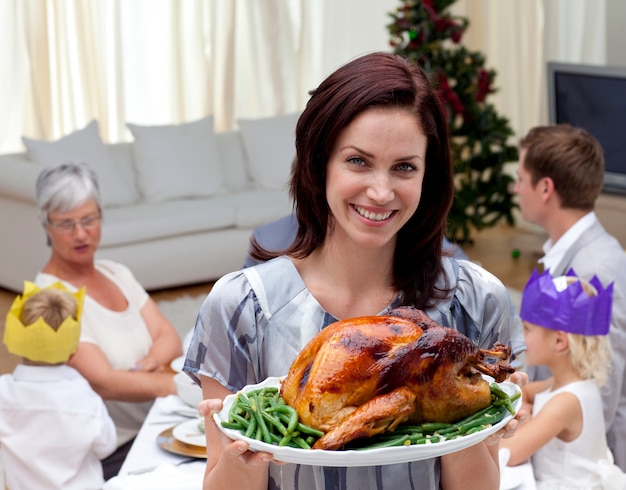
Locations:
column 593, row 97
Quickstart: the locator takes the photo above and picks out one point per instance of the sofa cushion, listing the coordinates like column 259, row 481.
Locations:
column 261, row 208
column 157, row 220
column 153, row 221
column 256, row 206
column 86, row 146
column 177, row 161
column 233, row 160
column 122, row 153
column 270, row 147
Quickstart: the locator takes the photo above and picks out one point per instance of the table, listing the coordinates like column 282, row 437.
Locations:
column 145, row 454
column 148, row 466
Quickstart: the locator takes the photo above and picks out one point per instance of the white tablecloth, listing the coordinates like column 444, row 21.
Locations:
column 147, row 466
column 145, row 454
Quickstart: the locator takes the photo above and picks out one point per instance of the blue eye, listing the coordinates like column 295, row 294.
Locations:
column 356, row 160
column 406, row 167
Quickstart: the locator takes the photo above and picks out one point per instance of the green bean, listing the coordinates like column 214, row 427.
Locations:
column 252, row 428
column 426, row 439
column 487, row 419
column 309, row 430
column 301, row 443
column 262, row 414
column 240, row 420
column 275, row 422
column 290, row 412
column 475, row 429
column 400, row 440
column 498, row 392
column 285, row 440
column 434, row 426
column 257, row 408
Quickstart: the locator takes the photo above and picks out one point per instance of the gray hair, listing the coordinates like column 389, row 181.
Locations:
column 65, row 187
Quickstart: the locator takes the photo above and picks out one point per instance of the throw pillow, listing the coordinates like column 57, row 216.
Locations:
column 86, row 146
column 270, row 147
column 177, row 161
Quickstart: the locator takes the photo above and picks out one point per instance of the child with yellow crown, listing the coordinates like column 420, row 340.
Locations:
column 566, row 322
column 54, row 429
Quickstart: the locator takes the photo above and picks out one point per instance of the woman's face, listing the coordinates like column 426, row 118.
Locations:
column 75, row 234
column 374, row 176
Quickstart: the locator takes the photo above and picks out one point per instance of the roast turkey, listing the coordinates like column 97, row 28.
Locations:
column 363, row 376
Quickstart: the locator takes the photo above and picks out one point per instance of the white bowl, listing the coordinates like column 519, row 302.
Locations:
column 187, row 390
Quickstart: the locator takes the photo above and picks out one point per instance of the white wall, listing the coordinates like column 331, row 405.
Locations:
column 616, row 35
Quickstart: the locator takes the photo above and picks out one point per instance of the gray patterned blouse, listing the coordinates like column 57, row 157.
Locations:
column 255, row 321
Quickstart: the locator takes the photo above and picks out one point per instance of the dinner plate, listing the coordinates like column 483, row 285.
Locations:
column 189, row 432
column 167, row 442
column 177, row 364
column 365, row 457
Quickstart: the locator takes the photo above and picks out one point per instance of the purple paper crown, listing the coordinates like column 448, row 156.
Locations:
column 550, row 303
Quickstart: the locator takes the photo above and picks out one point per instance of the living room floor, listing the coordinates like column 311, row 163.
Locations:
column 492, row 248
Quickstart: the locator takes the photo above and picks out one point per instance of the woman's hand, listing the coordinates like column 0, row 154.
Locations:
column 129, row 385
column 148, row 364
column 230, row 448
column 230, row 464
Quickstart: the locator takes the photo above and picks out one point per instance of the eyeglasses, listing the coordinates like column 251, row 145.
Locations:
column 68, row 226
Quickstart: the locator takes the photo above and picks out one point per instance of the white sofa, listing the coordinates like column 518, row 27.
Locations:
column 179, row 204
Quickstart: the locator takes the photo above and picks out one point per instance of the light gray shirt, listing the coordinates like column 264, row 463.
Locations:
column 255, row 321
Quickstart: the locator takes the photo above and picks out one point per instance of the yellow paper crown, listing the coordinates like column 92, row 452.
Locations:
column 39, row 342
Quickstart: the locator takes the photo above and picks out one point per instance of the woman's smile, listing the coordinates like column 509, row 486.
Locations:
column 373, row 215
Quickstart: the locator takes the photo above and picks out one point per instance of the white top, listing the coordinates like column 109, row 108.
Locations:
column 554, row 252
column 122, row 336
column 586, row 462
column 54, row 429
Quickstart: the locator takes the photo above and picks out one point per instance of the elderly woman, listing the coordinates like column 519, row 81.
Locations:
column 125, row 340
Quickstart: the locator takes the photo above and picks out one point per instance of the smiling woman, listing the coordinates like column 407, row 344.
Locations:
column 371, row 191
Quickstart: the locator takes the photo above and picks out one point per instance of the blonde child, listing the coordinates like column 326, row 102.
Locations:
column 566, row 322
column 54, row 429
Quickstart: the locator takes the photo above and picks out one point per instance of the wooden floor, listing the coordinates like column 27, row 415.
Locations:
column 492, row 248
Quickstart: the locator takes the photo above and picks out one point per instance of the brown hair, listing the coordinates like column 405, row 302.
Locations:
column 53, row 305
column 571, row 157
column 374, row 80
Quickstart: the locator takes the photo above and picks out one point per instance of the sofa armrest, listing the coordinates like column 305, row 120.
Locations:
column 18, row 176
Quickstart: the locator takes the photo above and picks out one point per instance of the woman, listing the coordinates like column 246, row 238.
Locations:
column 125, row 340
column 372, row 186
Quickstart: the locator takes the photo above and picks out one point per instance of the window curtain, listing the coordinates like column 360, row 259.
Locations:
column 519, row 38
column 65, row 62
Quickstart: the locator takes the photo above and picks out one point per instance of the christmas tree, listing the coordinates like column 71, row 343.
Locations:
column 427, row 33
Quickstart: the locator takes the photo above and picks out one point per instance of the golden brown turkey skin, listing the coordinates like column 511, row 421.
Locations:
column 363, row 376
